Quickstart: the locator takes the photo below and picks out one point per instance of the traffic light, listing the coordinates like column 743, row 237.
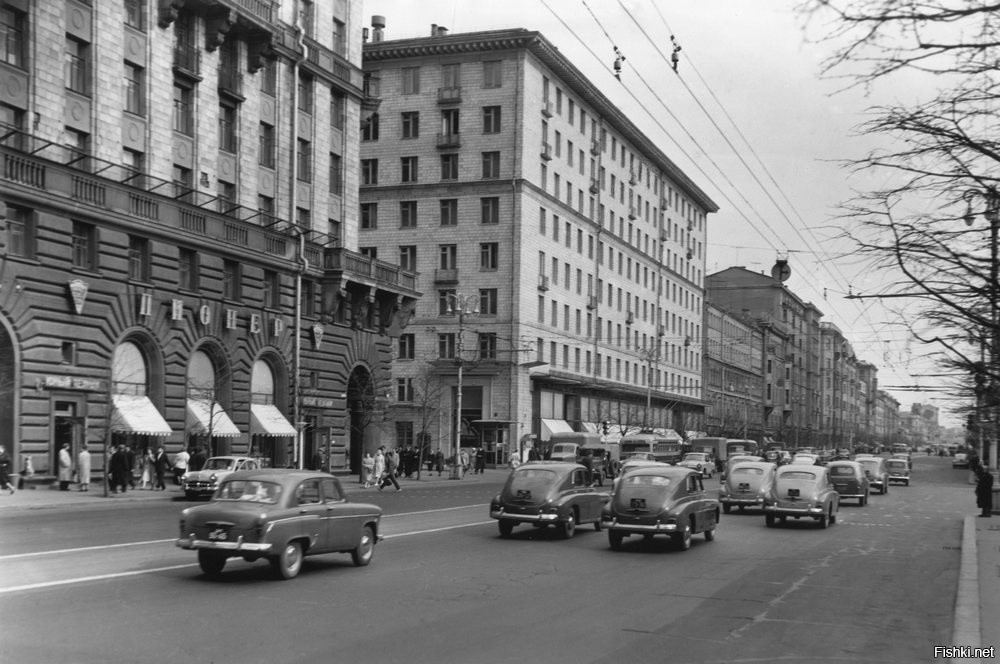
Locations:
column 606, row 427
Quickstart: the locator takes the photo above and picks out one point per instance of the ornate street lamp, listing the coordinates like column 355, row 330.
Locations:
column 461, row 306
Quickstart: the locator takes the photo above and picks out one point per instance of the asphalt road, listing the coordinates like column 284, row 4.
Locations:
column 107, row 585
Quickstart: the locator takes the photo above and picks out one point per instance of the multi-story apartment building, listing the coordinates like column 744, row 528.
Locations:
column 734, row 375
column 179, row 231
column 887, row 422
column 572, row 245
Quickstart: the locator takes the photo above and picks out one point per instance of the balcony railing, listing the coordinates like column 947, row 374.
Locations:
column 342, row 260
column 451, row 95
column 449, row 140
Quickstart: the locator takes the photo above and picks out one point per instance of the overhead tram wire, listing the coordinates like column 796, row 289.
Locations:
column 680, row 148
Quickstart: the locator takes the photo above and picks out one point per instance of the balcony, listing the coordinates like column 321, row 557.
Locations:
column 592, row 302
column 594, row 188
column 231, row 83
column 543, row 282
column 633, row 213
column 546, row 152
column 547, row 108
column 629, row 318
column 632, row 179
column 451, row 95
column 595, row 147
column 187, row 60
column 449, row 140
column 446, row 276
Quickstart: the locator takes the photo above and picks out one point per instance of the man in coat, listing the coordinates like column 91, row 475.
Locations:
column 161, row 465
column 984, row 490
column 65, row 467
column 119, row 470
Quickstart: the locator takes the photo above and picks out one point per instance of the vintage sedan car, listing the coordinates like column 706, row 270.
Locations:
column 801, row 491
column 203, row 483
column 960, row 460
column 665, row 500
column 547, row 494
column 700, row 461
column 746, row 485
column 898, row 470
column 878, row 476
column 850, row 480
column 905, row 456
column 281, row 515
column 735, row 459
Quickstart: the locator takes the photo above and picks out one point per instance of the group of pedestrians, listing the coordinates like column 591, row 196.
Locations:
column 381, row 469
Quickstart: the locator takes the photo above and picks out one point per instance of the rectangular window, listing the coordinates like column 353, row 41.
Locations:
column 370, row 128
column 404, row 392
column 448, row 254
column 336, row 175
column 491, row 119
column 449, row 167
column 408, row 257
column 369, row 216
column 407, row 346
column 265, row 145
column 227, row 128
column 369, row 171
column 134, row 89
column 305, row 93
column 226, row 196
column 20, row 231
column 77, row 65
column 408, row 214
column 450, row 126
column 338, row 109
column 369, row 252
column 489, row 256
column 183, row 109
column 411, row 124
column 445, row 298
column 449, row 212
column 188, row 270
column 491, row 165
column 84, row 241
column 308, row 299
column 304, row 160
column 411, row 80
column 408, row 169
column 492, row 74
column 339, row 37
column 451, row 76
column 490, row 210
column 12, row 36
column 487, row 345
column 488, row 301
column 271, row 290
column 446, row 346
column 138, row 258
column 268, row 76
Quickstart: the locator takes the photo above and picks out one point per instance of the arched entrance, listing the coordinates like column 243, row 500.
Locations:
column 208, row 383
column 272, row 436
column 8, row 396
column 135, row 420
column 363, row 416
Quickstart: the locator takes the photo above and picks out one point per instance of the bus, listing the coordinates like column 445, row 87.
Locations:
column 663, row 448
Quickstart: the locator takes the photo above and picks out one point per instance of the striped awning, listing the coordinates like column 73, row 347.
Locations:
column 137, row 414
column 209, row 417
column 267, row 420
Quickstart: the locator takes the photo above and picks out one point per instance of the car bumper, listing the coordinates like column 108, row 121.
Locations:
column 614, row 524
column 544, row 517
column 239, row 545
column 741, row 502
column 794, row 511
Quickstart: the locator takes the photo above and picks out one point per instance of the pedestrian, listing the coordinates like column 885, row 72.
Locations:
column 145, row 468
column 197, row 459
column 83, row 467
column 368, row 463
column 463, row 463
column 161, row 464
column 480, row 461
column 5, row 471
column 391, row 467
column 119, row 470
column 515, row 459
column 984, row 490
column 181, row 460
column 378, row 469
column 65, row 467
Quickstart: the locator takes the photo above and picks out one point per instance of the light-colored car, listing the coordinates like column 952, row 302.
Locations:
column 699, row 461
column 801, row 491
column 850, row 480
column 203, row 483
column 878, row 476
column 660, row 500
column 746, row 485
column 281, row 515
column 733, row 460
column 806, row 458
column 547, row 494
column 899, row 470
column 960, row 460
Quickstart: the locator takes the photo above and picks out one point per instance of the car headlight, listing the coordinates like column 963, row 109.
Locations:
column 212, row 478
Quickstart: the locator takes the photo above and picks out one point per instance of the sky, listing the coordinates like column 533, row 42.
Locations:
column 750, row 119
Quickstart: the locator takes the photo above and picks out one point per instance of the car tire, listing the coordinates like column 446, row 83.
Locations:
column 506, row 527
column 362, row 554
column 824, row 521
column 710, row 535
column 211, row 562
column 568, row 527
column 288, row 563
column 597, row 525
column 683, row 539
column 863, row 500
column 833, row 518
column 615, row 538
column 726, row 508
column 769, row 520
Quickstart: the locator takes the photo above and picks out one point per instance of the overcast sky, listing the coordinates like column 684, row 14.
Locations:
column 755, row 63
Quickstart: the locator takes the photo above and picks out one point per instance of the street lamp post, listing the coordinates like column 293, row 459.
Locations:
column 464, row 305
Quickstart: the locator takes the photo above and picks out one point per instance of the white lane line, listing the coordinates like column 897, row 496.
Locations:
column 118, row 575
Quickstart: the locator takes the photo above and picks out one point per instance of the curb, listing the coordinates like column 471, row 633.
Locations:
column 966, row 628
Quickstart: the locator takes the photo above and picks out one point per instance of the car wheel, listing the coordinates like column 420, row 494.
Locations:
column 726, row 508
column 597, row 525
column 710, row 535
column 833, row 517
column 769, row 520
column 363, row 552
column 568, row 527
column 615, row 538
column 683, row 539
column 288, row 563
column 211, row 563
column 824, row 521
column 506, row 527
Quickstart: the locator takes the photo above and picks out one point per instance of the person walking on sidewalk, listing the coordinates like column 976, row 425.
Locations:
column 161, row 464
column 390, row 473
column 984, row 490
column 5, row 484
column 378, row 469
column 119, row 469
column 368, row 463
column 65, row 468
column 181, row 460
column 83, row 467
column 480, row 461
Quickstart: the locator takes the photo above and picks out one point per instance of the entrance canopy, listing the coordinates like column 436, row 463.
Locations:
column 137, row 414
column 209, row 417
column 267, row 420
column 550, row 427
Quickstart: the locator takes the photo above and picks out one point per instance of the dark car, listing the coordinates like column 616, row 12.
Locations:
column 850, row 480
column 660, row 500
column 547, row 494
column 878, row 476
column 802, row 490
column 281, row 515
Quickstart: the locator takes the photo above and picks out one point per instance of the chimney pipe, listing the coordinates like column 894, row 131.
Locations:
column 378, row 25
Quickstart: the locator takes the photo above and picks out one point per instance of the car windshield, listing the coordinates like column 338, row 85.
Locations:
column 745, row 470
column 798, row 475
column 842, row 471
column 218, row 464
column 896, row 465
column 638, row 479
column 694, row 456
column 531, row 478
column 254, row 491
column 869, row 465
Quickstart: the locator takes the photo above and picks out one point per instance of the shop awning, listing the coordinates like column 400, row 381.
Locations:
column 591, row 427
column 267, row 420
column 209, row 417
column 137, row 414
column 550, row 427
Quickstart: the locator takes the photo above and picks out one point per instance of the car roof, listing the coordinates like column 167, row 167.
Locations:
column 757, row 464
column 280, row 475
column 554, row 466
column 793, row 468
column 665, row 470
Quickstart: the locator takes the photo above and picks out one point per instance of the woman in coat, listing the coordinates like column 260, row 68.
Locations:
column 65, row 468
column 83, row 467
column 379, row 468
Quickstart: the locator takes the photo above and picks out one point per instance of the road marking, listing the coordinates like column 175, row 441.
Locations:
column 15, row 556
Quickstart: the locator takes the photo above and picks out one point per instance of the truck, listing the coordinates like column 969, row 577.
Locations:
column 574, row 446
column 667, row 449
column 722, row 448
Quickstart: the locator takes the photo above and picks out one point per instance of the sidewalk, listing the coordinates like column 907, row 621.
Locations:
column 49, row 497
column 977, row 604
